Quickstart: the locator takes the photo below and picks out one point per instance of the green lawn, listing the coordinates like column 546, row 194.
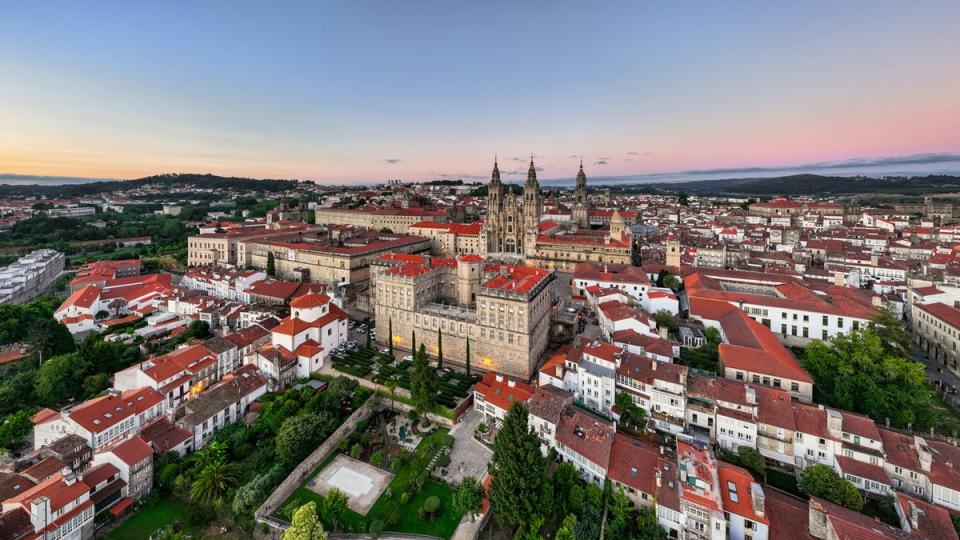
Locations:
column 407, row 515
column 149, row 518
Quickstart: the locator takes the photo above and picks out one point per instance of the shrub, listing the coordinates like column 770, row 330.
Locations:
column 377, row 458
column 448, row 440
column 444, row 461
column 430, row 507
column 404, row 498
column 375, row 528
column 356, row 450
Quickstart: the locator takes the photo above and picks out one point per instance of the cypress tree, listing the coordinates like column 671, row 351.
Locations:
column 518, row 469
column 271, row 264
column 390, row 332
column 439, row 349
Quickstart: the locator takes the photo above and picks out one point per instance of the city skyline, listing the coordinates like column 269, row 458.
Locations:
column 343, row 94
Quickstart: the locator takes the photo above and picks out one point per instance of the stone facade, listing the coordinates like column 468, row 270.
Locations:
column 503, row 310
column 397, row 220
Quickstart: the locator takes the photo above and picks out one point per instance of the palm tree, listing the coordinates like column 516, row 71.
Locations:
column 213, row 482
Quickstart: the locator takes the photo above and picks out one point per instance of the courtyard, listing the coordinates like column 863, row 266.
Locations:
column 468, row 457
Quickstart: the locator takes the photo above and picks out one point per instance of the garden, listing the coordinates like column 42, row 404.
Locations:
column 382, row 368
column 413, row 502
column 224, row 482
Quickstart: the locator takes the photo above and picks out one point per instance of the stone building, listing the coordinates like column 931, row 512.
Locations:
column 396, row 220
column 503, row 310
column 512, row 229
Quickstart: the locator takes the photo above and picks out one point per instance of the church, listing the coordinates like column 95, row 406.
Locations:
column 513, row 229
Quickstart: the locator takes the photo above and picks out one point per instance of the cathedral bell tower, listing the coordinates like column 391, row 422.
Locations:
column 492, row 226
column 532, row 208
column 581, row 209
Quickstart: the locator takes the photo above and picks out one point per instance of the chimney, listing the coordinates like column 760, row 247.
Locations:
column 511, row 383
column 663, row 332
column 653, row 365
column 69, row 478
column 838, row 279
column 659, row 481
column 914, row 516
column 499, row 377
column 40, row 512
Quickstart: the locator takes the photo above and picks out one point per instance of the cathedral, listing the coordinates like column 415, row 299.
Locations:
column 512, row 228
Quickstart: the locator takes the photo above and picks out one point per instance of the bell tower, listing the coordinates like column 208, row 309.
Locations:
column 492, row 226
column 532, row 208
column 581, row 209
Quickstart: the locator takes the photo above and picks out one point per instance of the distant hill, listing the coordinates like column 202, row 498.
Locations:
column 205, row 181
column 812, row 184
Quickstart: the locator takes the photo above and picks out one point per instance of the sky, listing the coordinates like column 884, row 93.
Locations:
column 359, row 91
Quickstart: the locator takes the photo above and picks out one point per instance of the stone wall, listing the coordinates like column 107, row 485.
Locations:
column 286, row 488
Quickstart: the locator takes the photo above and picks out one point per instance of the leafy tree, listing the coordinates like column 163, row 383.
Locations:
column 468, row 356
column 16, row 390
column 439, row 349
column 56, row 379
column 665, row 319
column 469, row 497
column 671, row 281
column 517, row 466
column 706, row 356
column 423, row 383
column 46, row 337
column 15, row 429
column 892, row 333
column 620, row 512
column 567, row 526
column 823, row 481
column 333, row 507
column 565, row 480
column 413, row 346
column 750, row 458
column 94, row 384
column 855, row 372
column 305, row 524
column 213, row 482
column 271, row 265
column 300, row 435
column 630, row 413
column 648, row 528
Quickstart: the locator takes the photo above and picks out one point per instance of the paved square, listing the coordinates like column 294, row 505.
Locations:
column 468, row 457
column 361, row 482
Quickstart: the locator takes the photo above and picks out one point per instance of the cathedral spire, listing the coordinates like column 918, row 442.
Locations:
column 531, row 173
column 495, row 177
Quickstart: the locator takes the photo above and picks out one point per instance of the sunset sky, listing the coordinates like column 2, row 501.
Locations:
column 358, row 91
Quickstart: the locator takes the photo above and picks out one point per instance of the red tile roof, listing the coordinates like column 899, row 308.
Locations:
column 945, row 313
column 503, row 393
column 132, row 451
column 633, row 463
column 739, row 500
column 99, row 414
column 310, row 300
column 586, row 434
column 82, row 298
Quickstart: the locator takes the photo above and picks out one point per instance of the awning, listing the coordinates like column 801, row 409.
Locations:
column 121, row 506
